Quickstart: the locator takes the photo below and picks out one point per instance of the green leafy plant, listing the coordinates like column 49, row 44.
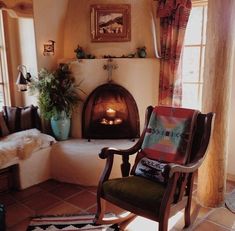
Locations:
column 58, row 94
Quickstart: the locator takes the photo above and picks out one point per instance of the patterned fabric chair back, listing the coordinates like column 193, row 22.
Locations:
column 168, row 139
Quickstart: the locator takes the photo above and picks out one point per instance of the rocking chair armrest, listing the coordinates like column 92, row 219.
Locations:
column 106, row 151
column 184, row 168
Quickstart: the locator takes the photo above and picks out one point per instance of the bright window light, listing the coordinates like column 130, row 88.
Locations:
column 193, row 58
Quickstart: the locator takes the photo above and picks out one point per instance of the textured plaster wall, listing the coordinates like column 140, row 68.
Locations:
column 77, row 29
column 49, row 18
column 67, row 22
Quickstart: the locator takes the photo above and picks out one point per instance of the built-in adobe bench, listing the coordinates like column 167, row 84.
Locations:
column 24, row 149
column 77, row 161
column 28, row 156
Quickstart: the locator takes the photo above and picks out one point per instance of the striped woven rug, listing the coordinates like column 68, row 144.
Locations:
column 68, row 223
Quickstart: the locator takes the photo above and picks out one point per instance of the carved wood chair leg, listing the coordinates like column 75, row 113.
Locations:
column 101, row 204
column 187, row 216
column 162, row 227
column 163, row 223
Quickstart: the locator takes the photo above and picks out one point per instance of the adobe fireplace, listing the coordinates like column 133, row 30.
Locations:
column 110, row 112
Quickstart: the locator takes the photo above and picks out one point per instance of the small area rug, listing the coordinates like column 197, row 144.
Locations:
column 230, row 201
column 68, row 223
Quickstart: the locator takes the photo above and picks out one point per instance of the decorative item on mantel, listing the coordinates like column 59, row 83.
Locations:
column 131, row 55
column 110, row 66
column 141, row 52
column 81, row 54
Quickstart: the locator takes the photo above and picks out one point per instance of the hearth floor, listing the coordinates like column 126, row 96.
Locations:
column 52, row 197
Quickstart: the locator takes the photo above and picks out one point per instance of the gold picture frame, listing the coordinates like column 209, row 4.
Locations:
column 110, row 22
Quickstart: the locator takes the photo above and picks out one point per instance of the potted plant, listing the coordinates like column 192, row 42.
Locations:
column 58, row 97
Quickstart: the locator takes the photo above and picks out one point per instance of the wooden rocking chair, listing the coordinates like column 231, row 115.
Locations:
column 157, row 187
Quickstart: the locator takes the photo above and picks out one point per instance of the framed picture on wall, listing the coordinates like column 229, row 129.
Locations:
column 110, row 23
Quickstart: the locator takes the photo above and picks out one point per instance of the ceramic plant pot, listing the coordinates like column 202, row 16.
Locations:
column 61, row 127
column 141, row 51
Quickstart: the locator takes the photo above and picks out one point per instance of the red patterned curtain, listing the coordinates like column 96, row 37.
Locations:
column 174, row 16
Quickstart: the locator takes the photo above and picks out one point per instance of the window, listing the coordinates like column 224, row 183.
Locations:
column 193, row 57
column 4, row 89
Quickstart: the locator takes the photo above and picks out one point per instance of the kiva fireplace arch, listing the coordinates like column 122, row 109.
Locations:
column 110, row 112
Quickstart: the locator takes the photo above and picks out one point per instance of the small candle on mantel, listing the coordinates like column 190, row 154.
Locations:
column 110, row 113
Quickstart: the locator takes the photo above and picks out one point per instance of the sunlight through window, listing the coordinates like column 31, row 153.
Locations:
column 193, row 58
column 4, row 90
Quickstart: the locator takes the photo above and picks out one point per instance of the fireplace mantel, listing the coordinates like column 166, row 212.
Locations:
column 140, row 76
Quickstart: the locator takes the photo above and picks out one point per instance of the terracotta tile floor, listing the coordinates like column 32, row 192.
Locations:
column 52, row 197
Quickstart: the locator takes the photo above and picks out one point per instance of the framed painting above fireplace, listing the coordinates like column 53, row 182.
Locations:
column 110, row 22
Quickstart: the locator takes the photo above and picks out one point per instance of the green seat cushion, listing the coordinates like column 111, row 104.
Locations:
column 137, row 191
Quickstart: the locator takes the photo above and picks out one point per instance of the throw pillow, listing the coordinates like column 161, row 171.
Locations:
column 21, row 118
column 3, row 127
column 152, row 169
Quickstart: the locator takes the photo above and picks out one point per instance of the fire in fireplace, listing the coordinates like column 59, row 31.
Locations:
column 110, row 112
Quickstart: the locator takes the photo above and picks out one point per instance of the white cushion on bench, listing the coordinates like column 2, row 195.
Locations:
column 22, row 144
column 30, row 149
